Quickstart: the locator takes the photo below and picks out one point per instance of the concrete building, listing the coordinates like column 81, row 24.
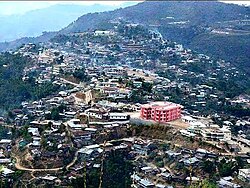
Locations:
column 161, row 111
column 216, row 134
column 244, row 175
column 118, row 116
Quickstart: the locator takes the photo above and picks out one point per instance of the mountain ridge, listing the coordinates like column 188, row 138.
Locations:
column 52, row 18
column 187, row 22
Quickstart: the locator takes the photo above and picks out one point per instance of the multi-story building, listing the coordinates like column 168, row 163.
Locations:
column 161, row 111
column 216, row 134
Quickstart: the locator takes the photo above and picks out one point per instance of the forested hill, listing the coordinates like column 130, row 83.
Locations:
column 214, row 28
column 13, row 90
column 218, row 29
column 159, row 13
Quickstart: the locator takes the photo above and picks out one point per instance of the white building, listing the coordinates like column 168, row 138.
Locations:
column 188, row 119
column 244, row 174
column 96, row 113
column 76, row 124
column 221, row 134
column 103, row 33
column 118, row 116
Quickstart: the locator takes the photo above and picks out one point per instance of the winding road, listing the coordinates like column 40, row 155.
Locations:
column 20, row 167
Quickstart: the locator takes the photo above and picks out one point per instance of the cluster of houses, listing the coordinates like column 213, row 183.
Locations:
column 207, row 130
column 147, row 174
column 75, row 121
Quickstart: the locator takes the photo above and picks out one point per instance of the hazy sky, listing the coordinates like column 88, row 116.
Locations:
column 20, row 7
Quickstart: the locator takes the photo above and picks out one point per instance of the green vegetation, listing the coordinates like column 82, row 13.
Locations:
column 214, row 45
column 23, row 133
column 137, row 95
column 3, row 132
column 137, row 31
column 116, row 173
column 209, row 167
column 204, row 184
column 54, row 113
column 227, row 168
column 81, row 75
column 13, row 90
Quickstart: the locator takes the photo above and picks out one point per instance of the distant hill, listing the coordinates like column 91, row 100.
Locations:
column 162, row 12
column 218, row 29
column 53, row 18
column 190, row 23
column 46, row 36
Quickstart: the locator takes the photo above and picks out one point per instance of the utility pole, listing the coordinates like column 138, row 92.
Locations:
column 103, row 157
column 85, row 174
column 190, row 174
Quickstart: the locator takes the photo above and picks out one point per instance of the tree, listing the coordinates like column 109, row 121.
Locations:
column 81, row 75
column 136, row 97
column 147, row 87
column 43, row 142
column 208, row 167
column 116, row 173
column 226, row 168
column 204, row 184
column 55, row 114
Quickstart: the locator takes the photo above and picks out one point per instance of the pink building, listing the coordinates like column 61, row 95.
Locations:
column 161, row 111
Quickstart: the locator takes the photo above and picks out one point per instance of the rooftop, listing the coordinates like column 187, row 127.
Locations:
column 161, row 105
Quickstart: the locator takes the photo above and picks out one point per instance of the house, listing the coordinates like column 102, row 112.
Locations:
column 187, row 133
column 6, row 172
column 217, row 134
column 90, row 151
column 234, row 148
column 81, row 137
column 5, row 160
column 5, row 141
column 96, row 113
column 115, row 71
column 227, row 184
column 172, row 154
column 166, row 175
column 33, row 131
column 193, row 179
column 69, row 114
column 135, row 177
column 143, row 183
column 118, row 116
column 196, row 127
column 163, row 186
column 190, row 161
column 202, row 153
column 146, row 169
column 36, row 142
column 244, row 175
column 140, row 148
column 103, row 33
column 188, row 119
column 122, row 146
column 49, row 178
column 75, row 124
column 137, row 84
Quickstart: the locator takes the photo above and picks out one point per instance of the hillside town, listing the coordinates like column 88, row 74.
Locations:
column 166, row 112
